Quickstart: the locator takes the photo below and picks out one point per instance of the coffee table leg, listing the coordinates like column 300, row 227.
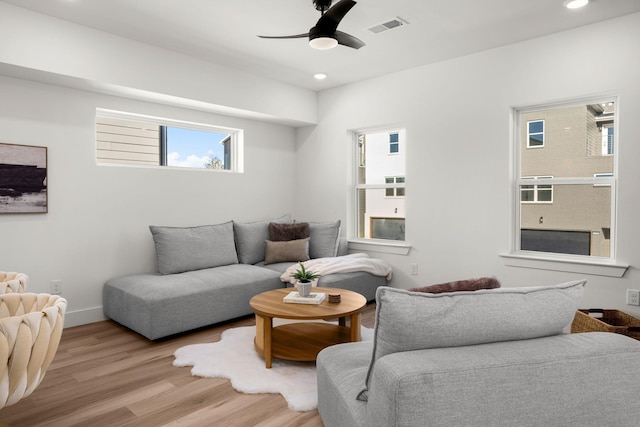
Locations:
column 355, row 327
column 268, row 328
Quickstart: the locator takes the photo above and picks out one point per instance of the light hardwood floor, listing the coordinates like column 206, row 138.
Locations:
column 106, row 375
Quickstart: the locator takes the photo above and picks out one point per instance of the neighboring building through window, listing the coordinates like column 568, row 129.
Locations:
column 123, row 138
column 565, row 179
column 380, row 185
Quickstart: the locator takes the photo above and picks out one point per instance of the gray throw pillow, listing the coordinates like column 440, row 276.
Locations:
column 250, row 238
column 408, row 321
column 324, row 238
column 180, row 249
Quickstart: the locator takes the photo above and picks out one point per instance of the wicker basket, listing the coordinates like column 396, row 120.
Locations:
column 614, row 321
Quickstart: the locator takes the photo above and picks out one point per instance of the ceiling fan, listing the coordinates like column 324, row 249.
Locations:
column 325, row 35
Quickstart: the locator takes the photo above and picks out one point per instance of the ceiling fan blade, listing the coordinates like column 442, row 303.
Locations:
column 295, row 36
column 332, row 17
column 348, row 40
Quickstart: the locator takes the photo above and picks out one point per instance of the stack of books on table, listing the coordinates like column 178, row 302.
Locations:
column 313, row 298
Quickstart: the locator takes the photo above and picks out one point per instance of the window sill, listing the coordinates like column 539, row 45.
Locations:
column 384, row 246
column 594, row 267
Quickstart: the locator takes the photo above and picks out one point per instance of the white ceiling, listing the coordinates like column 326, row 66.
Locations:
column 225, row 32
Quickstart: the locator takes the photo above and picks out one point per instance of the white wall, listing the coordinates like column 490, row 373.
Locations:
column 456, row 115
column 98, row 219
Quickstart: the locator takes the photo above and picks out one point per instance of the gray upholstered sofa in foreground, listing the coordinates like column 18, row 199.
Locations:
column 486, row 358
column 208, row 274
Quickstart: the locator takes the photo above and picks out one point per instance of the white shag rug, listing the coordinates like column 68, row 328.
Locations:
column 234, row 357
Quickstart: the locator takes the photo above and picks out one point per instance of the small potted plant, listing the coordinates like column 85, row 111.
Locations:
column 304, row 278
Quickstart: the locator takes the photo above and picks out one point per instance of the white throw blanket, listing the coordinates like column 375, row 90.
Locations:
column 341, row 264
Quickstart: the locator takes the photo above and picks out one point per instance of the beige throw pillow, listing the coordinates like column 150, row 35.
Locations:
column 291, row 250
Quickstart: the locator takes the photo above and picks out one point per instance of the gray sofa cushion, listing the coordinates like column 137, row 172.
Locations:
column 412, row 320
column 250, row 238
column 180, row 249
column 158, row 306
column 324, row 238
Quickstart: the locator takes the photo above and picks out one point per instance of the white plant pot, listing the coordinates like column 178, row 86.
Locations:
column 304, row 289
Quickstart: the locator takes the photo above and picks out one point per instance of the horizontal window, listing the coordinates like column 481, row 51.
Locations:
column 123, row 138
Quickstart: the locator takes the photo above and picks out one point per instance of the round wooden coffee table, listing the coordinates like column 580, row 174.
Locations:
column 303, row 341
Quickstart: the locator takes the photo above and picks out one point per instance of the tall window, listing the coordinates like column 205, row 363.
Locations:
column 565, row 179
column 123, row 138
column 380, row 185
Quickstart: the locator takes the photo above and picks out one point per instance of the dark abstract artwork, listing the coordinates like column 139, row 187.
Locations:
column 23, row 179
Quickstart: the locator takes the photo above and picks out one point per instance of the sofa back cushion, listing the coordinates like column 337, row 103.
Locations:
column 250, row 238
column 408, row 321
column 324, row 238
column 180, row 249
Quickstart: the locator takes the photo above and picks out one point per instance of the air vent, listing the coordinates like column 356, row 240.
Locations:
column 389, row 25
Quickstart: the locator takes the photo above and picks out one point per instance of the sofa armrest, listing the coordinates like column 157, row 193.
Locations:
column 568, row 379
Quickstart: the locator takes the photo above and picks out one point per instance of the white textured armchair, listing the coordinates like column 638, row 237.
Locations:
column 30, row 330
column 11, row 282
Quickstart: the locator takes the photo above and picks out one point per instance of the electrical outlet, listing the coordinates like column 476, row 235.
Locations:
column 633, row 297
column 56, row 287
column 414, row 269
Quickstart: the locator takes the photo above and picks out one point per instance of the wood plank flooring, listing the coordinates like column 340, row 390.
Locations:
column 106, row 375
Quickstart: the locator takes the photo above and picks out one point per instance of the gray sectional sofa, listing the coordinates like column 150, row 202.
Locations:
column 487, row 358
column 208, row 274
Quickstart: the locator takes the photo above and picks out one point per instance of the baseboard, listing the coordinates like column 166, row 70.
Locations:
column 82, row 317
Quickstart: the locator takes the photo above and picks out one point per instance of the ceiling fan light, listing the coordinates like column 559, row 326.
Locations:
column 575, row 4
column 323, row 43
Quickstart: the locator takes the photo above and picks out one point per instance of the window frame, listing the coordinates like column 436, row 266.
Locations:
column 605, row 266
column 236, row 140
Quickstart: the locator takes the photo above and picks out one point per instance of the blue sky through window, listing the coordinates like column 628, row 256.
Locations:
column 193, row 148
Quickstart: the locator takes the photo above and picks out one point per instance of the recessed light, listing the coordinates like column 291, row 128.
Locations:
column 575, row 4
column 320, row 76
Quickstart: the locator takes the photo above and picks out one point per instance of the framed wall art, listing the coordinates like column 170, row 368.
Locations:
column 23, row 179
